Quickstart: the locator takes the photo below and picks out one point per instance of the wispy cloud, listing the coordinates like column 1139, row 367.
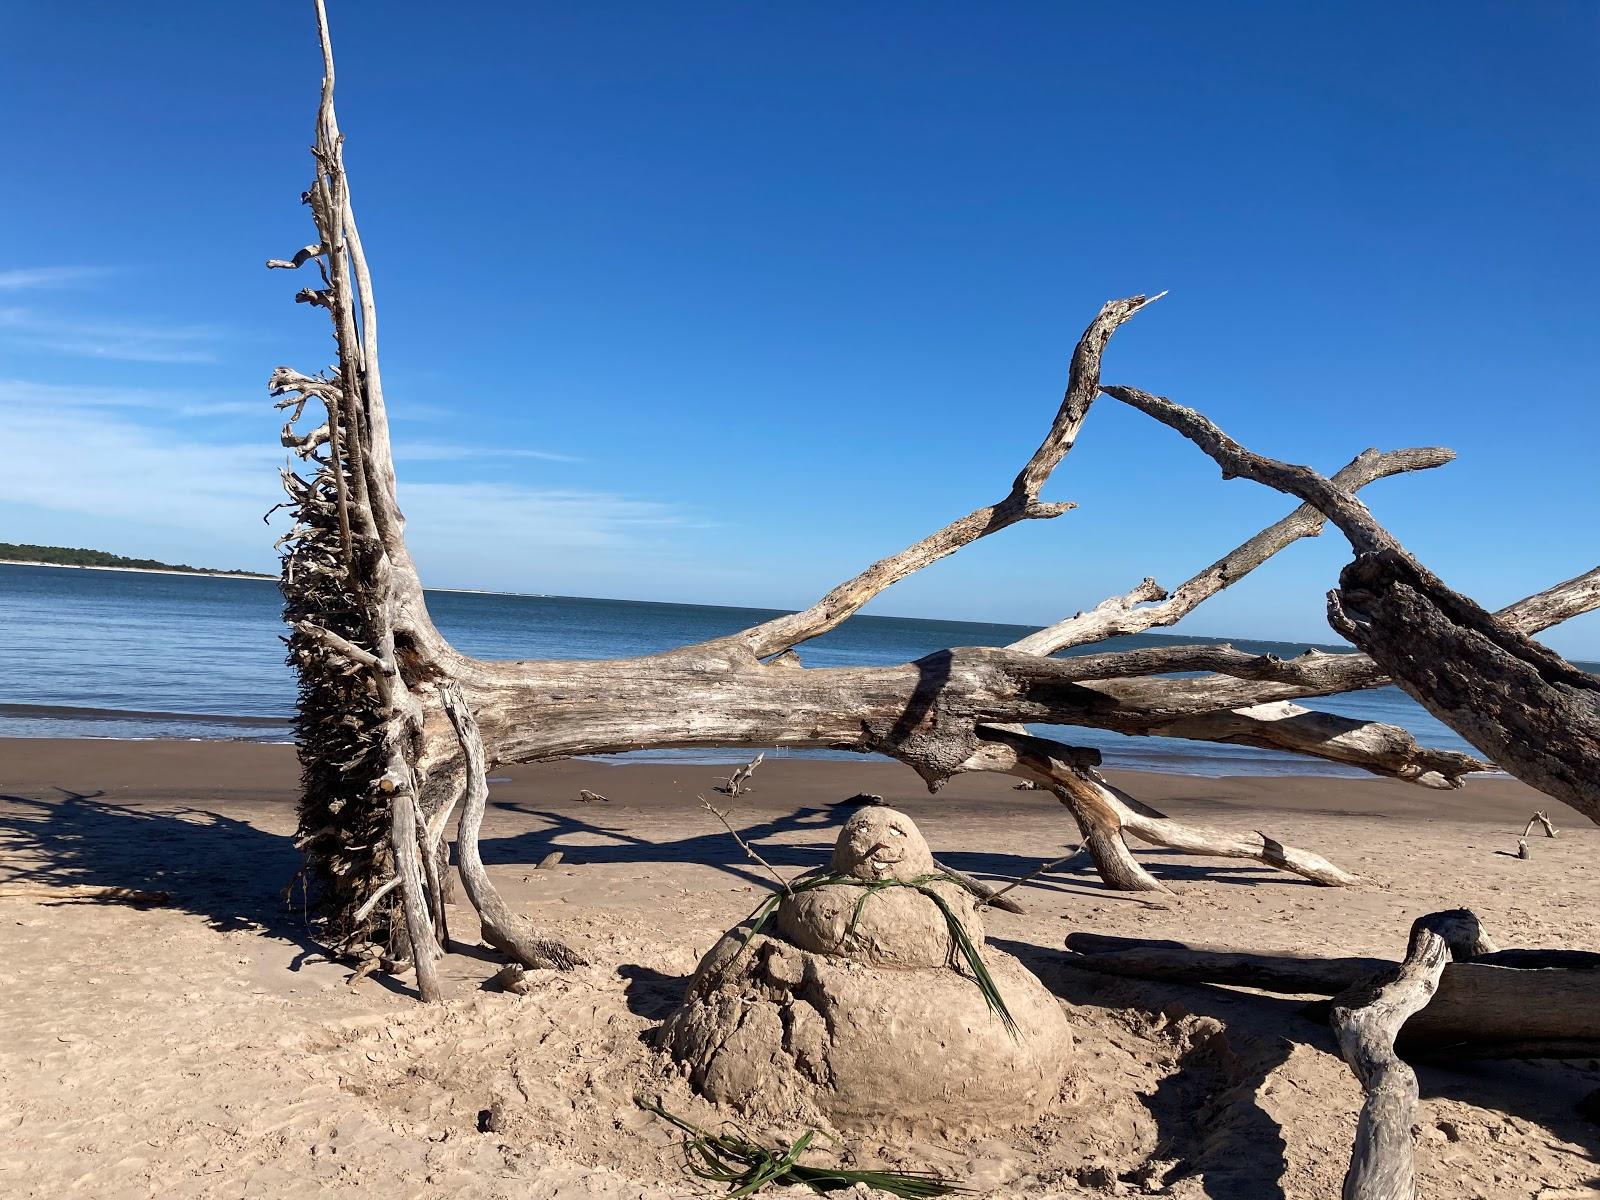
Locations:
column 175, row 403
column 508, row 519
column 81, row 338
column 99, row 453
column 21, row 279
column 445, row 452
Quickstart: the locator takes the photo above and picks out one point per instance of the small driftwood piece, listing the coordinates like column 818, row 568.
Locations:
column 589, row 797
column 1539, row 818
column 738, row 783
column 553, row 859
column 81, row 891
column 988, row 897
column 1367, row 1020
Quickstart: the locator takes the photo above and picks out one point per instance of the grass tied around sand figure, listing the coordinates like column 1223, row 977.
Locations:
column 746, row 1166
column 958, row 931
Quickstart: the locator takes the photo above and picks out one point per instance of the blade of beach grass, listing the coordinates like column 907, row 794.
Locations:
column 747, row 1166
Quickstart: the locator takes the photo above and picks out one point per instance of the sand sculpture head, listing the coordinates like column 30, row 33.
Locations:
column 881, row 843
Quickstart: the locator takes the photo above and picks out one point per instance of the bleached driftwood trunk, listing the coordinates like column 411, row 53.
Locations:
column 1367, row 1022
column 396, row 726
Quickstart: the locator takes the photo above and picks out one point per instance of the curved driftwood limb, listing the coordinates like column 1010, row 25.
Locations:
column 1367, row 1021
column 1106, row 813
column 1540, row 818
column 1120, row 614
column 502, row 928
column 1100, row 823
column 1020, row 504
column 1522, row 704
column 1148, row 825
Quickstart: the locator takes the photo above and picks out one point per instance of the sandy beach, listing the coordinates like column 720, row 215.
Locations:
column 207, row 1049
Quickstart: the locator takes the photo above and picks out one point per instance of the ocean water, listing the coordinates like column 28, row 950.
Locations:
column 89, row 653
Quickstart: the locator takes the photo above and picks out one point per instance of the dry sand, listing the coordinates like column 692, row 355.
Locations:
column 205, row 1049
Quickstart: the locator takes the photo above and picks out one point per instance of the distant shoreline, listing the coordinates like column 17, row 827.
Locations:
column 16, row 562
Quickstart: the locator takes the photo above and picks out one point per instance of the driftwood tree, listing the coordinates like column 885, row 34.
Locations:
column 396, row 727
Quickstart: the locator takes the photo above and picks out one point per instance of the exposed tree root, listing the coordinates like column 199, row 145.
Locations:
column 502, row 928
column 381, row 690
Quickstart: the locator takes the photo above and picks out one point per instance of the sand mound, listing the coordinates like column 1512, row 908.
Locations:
column 771, row 1028
column 867, row 1009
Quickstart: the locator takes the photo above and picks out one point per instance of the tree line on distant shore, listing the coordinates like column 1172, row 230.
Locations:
column 77, row 556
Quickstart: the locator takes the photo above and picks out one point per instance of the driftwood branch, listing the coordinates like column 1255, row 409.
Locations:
column 739, row 782
column 1020, row 503
column 502, row 928
column 750, row 852
column 1121, row 614
column 1367, row 1021
column 1540, row 818
column 1526, row 707
column 989, row 897
column 1503, row 1003
column 1105, row 813
column 995, row 897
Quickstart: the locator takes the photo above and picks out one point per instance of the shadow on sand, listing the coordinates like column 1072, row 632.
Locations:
column 585, row 840
column 226, row 871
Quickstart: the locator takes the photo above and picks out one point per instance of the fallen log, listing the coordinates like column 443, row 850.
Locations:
column 1501, row 1004
column 1175, row 962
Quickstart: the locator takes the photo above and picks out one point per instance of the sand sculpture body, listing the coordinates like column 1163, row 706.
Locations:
column 857, row 1000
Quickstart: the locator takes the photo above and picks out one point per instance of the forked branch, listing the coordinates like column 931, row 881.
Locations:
column 1020, row 504
column 1532, row 712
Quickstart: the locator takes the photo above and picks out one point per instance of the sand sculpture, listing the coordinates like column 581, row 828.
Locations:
column 866, row 994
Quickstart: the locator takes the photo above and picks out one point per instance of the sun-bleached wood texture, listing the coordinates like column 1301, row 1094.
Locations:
column 393, row 721
column 1367, row 1020
column 1530, row 710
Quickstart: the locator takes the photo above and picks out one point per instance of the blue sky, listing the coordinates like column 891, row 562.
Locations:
column 720, row 302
